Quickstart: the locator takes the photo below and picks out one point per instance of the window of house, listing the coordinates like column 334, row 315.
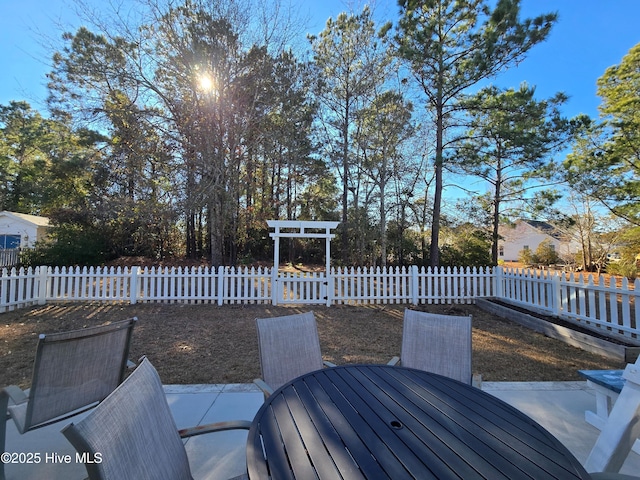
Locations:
column 501, row 250
column 9, row 241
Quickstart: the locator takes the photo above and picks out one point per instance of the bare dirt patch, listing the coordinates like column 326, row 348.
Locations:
column 191, row 344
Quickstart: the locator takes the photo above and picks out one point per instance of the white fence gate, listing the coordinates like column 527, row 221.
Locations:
column 301, row 288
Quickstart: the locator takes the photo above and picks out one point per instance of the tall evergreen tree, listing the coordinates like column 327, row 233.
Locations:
column 453, row 44
column 351, row 61
column 23, row 157
column 605, row 162
column 44, row 163
column 511, row 141
column 385, row 127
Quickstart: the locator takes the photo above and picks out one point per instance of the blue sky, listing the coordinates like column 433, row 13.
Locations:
column 590, row 36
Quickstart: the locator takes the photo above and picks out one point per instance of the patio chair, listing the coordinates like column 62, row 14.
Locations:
column 289, row 347
column 72, row 372
column 132, row 433
column 620, row 431
column 439, row 344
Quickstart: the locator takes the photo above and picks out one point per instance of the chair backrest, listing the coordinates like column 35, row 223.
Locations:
column 132, row 433
column 437, row 343
column 622, row 428
column 75, row 369
column 289, row 347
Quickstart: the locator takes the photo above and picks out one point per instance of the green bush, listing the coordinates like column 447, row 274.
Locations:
column 525, row 256
column 69, row 245
column 545, row 254
column 471, row 249
column 624, row 269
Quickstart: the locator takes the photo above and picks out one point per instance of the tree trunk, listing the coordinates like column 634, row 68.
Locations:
column 191, row 234
column 216, row 229
column 345, row 189
column 434, row 248
column 383, row 223
column 496, row 212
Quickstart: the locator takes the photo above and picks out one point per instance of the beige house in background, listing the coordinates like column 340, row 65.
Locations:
column 530, row 234
column 19, row 230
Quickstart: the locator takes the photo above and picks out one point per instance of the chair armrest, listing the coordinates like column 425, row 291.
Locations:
column 16, row 394
column 329, row 364
column 262, row 385
column 394, row 361
column 215, row 427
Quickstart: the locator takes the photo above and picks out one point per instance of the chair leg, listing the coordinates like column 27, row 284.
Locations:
column 16, row 395
column 4, row 415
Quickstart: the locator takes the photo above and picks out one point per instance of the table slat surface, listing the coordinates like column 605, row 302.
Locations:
column 381, row 422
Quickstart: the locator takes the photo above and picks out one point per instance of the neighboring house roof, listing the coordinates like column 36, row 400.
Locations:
column 544, row 227
column 33, row 219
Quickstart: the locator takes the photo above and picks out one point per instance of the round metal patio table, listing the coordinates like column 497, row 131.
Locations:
column 378, row 421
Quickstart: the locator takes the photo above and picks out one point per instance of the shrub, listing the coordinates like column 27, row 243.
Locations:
column 546, row 254
column 69, row 245
column 624, row 269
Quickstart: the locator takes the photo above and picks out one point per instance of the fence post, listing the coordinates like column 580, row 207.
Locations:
column 556, row 294
column 329, row 286
column 220, row 285
column 414, row 284
column 133, row 285
column 498, row 289
column 42, row 285
column 274, row 285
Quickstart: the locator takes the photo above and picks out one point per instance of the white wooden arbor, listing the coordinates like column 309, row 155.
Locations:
column 299, row 229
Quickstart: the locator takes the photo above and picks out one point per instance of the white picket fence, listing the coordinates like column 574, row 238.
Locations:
column 411, row 285
column 599, row 304
column 19, row 287
column 9, row 257
column 608, row 304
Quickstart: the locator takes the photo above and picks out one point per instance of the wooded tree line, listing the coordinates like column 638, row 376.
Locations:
column 180, row 128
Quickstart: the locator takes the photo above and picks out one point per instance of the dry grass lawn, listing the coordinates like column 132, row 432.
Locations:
column 204, row 343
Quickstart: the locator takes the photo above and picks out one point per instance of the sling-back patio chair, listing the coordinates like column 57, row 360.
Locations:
column 132, row 433
column 289, row 347
column 72, row 372
column 438, row 344
column 620, row 431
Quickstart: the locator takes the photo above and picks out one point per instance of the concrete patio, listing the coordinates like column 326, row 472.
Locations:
column 558, row 406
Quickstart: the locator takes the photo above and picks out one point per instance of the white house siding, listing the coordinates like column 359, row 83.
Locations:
column 30, row 228
column 516, row 238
